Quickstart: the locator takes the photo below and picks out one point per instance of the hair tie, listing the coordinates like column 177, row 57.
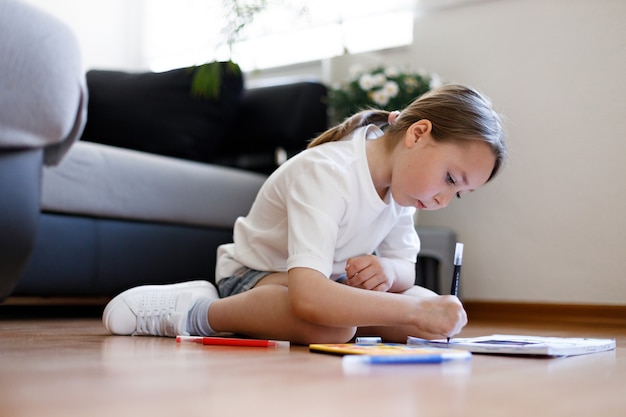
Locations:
column 393, row 115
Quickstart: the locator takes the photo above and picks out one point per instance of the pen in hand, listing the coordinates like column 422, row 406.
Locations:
column 458, row 260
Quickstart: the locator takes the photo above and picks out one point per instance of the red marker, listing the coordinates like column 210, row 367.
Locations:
column 232, row 341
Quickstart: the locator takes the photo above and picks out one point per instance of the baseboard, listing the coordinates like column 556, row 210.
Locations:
column 14, row 308
column 572, row 314
column 54, row 301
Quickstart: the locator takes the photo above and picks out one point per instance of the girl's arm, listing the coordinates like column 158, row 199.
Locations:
column 403, row 273
column 375, row 273
column 317, row 299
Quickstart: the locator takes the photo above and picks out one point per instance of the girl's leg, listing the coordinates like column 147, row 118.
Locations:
column 265, row 312
column 169, row 310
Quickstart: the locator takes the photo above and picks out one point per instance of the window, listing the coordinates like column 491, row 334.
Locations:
column 189, row 32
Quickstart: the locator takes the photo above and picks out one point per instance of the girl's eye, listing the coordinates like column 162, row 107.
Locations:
column 451, row 181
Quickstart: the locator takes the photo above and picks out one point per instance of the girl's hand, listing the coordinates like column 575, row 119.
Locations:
column 439, row 316
column 368, row 272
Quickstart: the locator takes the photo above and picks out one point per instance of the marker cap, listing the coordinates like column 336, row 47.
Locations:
column 458, row 254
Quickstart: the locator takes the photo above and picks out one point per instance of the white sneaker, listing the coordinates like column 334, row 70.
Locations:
column 155, row 310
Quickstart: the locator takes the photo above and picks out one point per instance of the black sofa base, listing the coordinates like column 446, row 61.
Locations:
column 85, row 256
column 20, row 189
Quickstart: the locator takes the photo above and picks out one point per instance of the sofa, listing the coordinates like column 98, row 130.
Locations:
column 110, row 180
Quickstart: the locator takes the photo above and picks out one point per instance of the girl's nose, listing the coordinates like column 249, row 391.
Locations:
column 442, row 199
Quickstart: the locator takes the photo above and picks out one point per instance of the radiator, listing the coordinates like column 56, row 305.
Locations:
column 434, row 266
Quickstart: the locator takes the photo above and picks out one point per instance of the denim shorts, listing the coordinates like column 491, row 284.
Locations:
column 243, row 280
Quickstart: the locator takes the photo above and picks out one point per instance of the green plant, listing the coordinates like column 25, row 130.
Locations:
column 386, row 88
column 207, row 78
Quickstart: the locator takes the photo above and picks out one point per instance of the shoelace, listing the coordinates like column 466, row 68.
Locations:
column 156, row 322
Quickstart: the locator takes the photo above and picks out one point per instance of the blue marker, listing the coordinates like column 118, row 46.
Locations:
column 406, row 359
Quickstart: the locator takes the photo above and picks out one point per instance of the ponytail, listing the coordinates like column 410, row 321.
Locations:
column 360, row 119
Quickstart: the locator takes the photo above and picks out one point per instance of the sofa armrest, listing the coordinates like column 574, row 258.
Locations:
column 42, row 112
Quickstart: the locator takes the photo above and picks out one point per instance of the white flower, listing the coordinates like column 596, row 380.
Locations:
column 366, row 82
column 379, row 80
column 391, row 88
column 380, row 97
column 392, row 72
column 383, row 87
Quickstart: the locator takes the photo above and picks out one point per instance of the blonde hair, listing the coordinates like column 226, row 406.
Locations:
column 457, row 113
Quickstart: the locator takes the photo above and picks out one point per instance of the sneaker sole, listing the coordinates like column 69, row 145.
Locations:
column 188, row 286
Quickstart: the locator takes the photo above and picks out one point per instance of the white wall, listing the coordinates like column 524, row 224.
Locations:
column 109, row 31
column 552, row 228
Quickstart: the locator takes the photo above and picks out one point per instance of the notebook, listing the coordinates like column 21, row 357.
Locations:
column 392, row 352
column 504, row 344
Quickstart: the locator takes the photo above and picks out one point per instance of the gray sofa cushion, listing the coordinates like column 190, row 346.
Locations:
column 108, row 182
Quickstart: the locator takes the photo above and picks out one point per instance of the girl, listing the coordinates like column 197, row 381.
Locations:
column 328, row 248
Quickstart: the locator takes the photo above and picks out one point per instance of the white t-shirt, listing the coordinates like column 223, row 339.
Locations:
column 317, row 210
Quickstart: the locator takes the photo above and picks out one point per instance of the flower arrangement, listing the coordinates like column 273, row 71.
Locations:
column 386, row 88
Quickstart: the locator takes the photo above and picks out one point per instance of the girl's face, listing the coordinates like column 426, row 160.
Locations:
column 428, row 174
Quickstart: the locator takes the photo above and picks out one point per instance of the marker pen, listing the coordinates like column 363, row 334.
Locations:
column 350, row 360
column 458, row 260
column 232, row 341
column 367, row 340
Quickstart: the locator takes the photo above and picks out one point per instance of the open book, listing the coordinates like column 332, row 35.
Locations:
column 503, row 344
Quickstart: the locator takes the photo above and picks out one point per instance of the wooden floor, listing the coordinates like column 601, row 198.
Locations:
column 71, row 367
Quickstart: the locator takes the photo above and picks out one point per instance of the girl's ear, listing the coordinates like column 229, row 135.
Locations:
column 417, row 131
